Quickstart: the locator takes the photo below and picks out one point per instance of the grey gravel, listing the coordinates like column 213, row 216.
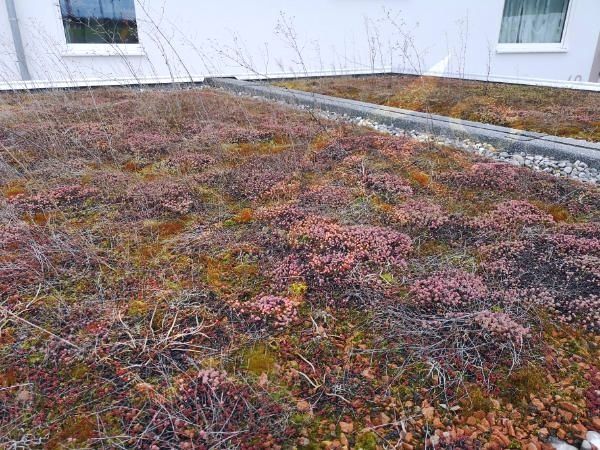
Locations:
column 560, row 445
column 577, row 170
column 585, row 445
column 593, row 437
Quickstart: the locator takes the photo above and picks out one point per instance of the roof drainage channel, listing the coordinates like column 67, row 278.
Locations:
column 507, row 139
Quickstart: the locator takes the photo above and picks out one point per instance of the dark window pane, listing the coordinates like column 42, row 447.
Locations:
column 99, row 21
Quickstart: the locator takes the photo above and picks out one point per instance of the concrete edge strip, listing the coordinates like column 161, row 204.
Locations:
column 507, row 139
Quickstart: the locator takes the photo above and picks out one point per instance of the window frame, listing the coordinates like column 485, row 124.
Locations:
column 541, row 47
column 108, row 49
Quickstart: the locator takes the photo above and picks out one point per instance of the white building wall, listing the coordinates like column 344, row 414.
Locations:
column 185, row 39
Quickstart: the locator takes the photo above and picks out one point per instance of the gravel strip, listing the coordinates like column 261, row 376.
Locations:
column 577, row 170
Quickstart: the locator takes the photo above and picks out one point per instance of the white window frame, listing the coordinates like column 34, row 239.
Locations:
column 71, row 50
column 527, row 47
column 103, row 50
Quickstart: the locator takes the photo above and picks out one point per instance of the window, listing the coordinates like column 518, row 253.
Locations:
column 99, row 21
column 533, row 21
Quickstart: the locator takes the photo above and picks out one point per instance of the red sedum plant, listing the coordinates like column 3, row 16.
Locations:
column 62, row 196
column 160, row 197
column 325, row 253
column 448, row 291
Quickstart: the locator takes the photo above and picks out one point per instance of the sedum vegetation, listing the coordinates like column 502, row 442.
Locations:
column 559, row 112
column 191, row 269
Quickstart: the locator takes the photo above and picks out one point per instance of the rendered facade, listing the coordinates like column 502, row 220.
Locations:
column 73, row 42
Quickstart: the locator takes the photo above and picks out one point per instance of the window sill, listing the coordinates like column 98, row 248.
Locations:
column 531, row 48
column 103, row 50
